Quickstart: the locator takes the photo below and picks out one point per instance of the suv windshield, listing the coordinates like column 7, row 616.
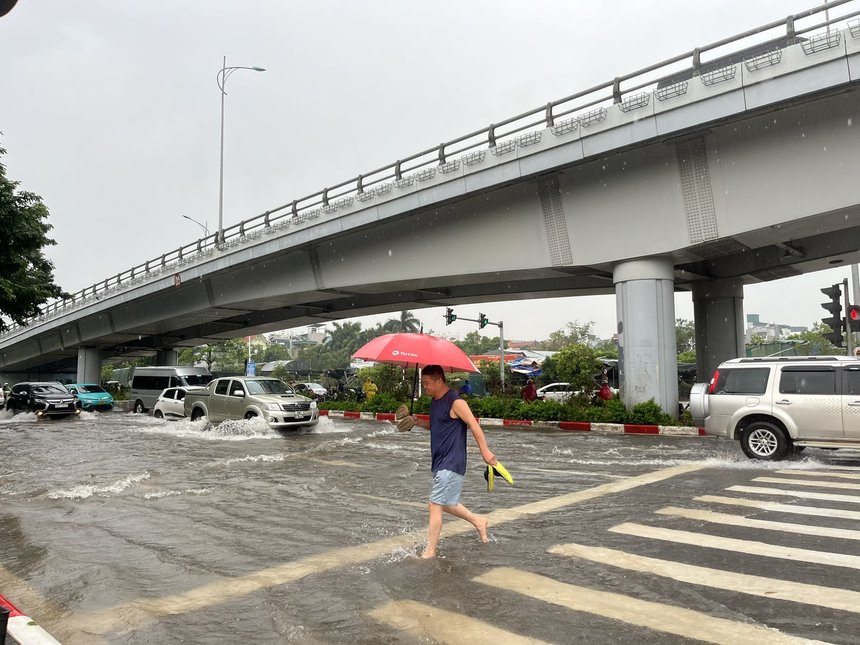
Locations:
column 47, row 388
column 272, row 386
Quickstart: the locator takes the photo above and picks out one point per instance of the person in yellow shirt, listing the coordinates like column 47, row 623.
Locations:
column 370, row 389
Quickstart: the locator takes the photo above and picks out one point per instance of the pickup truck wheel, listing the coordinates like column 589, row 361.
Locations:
column 250, row 415
column 138, row 407
column 197, row 414
column 766, row 441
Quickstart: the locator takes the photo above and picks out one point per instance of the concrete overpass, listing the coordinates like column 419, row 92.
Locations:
column 690, row 174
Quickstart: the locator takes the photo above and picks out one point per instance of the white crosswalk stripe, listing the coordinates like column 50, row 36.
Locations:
column 642, row 613
column 819, row 473
column 738, row 546
column 777, row 507
column 803, row 494
column 835, row 598
column 740, row 520
column 814, row 482
column 442, row 626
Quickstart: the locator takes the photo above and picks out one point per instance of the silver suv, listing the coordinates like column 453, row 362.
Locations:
column 777, row 406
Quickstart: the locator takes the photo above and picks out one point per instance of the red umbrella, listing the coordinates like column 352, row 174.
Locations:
column 416, row 350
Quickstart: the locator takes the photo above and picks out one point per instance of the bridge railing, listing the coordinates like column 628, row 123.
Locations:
column 580, row 110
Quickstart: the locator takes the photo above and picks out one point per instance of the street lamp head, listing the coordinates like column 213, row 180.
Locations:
column 259, row 69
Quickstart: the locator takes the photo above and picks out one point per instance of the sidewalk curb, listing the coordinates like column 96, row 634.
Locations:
column 24, row 629
column 564, row 426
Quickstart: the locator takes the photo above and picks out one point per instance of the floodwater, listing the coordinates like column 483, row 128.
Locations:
column 121, row 528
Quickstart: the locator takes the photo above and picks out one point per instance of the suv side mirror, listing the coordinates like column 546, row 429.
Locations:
column 238, row 392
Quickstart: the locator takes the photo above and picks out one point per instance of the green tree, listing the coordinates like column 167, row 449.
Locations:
column 26, row 276
column 577, row 364
column 407, row 323
column 573, row 333
column 813, row 342
column 685, row 336
column 276, row 352
column 474, row 344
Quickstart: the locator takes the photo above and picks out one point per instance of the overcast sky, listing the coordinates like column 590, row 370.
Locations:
column 109, row 110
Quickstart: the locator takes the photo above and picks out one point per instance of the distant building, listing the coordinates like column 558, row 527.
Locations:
column 315, row 335
column 760, row 332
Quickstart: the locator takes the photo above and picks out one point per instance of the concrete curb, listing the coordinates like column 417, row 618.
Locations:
column 24, row 629
column 565, row 426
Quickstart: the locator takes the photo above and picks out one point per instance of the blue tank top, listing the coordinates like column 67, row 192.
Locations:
column 447, row 436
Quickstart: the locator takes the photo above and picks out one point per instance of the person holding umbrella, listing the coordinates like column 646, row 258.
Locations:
column 450, row 415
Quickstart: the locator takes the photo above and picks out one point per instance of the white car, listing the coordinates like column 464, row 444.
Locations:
column 2, row 398
column 310, row 389
column 170, row 404
column 560, row 392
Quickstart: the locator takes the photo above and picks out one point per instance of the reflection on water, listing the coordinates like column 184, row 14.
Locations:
column 105, row 510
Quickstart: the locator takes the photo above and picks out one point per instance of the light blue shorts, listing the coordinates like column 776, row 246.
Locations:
column 447, row 486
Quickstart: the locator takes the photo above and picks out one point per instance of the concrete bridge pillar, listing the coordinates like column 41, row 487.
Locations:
column 645, row 305
column 167, row 357
column 89, row 365
column 718, row 309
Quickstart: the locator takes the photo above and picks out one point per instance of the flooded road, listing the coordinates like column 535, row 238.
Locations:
column 121, row 528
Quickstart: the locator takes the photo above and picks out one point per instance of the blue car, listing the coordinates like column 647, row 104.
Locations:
column 92, row 397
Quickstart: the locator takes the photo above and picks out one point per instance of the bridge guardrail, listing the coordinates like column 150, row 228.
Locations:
column 666, row 79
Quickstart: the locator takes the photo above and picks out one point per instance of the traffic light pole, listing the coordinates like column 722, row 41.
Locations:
column 849, row 345
column 483, row 322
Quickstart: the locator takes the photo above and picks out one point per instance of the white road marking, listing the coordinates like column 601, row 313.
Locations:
column 748, row 522
column 659, row 617
column 440, row 626
column 803, row 494
column 780, row 508
column 832, row 597
column 224, row 589
column 819, row 473
column 738, row 546
column 571, row 472
column 815, row 482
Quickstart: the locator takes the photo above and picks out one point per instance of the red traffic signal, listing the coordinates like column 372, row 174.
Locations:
column 852, row 317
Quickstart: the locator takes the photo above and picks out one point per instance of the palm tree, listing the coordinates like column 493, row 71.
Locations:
column 407, row 323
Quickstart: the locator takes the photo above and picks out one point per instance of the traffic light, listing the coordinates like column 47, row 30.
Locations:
column 852, row 318
column 450, row 316
column 834, row 307
column 482, row 321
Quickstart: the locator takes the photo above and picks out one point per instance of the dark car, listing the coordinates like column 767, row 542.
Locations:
column 43, row 400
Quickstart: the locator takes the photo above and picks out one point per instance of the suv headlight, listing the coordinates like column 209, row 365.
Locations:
column 273, row 407
column 313, row 404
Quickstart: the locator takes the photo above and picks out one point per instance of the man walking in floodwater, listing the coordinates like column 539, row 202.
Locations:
column 449, row 417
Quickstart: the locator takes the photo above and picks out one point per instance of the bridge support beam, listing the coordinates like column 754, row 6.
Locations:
column 718, row 309
column 167, row 357
column 645, row 305
column 89, row 365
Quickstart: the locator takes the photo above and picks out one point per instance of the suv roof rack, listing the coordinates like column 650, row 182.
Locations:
column 793, row 359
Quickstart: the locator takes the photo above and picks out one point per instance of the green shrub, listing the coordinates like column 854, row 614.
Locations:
column 382, row 402
column 649, row 413
column 611, row 411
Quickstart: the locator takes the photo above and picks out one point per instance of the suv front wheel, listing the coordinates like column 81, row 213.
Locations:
column 765, row 440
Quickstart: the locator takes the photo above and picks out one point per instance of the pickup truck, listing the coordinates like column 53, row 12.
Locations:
column 247, row 397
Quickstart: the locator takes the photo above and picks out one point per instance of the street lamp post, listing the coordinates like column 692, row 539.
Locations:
column 205, row 227
column 223, row 74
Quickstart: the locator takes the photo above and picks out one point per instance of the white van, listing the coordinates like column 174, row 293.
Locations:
column 148, row 382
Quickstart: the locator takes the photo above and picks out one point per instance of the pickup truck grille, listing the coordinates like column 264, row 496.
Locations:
column 293, row 407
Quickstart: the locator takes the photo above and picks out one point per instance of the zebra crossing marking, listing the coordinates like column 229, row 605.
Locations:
column 749, row 547
column 657, row 616
column 780, row 508
column 445, row 627
column 748, row 522
column 819, row 473
column 816, row 482
column 803, row 494
column 773, row 588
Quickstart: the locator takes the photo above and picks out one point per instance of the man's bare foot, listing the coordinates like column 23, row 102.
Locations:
column 428, row 555
column 482, row 529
